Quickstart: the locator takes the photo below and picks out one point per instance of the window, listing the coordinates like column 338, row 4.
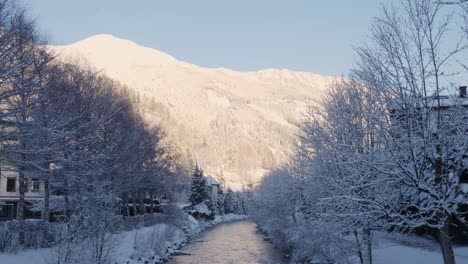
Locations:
column 11, row 184
column 464, row 176
column 5, row 210
column 35, row 185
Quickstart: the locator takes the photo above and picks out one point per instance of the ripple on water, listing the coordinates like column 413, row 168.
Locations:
column 237, row 242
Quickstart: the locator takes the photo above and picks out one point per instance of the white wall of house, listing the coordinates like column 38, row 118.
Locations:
column 441, row 106
column 214, row 185
column 30, row 193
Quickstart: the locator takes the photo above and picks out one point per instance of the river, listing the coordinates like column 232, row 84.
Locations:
column 237, row 243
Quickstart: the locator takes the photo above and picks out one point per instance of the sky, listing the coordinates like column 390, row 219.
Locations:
column 306, row 35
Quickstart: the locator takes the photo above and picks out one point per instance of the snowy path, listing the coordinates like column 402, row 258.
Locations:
column 237, row 242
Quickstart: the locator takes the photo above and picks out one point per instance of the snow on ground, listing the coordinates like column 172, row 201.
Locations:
column 158, row 242
column 162, row 240
column 403, row 249
column 36, row 256
column 227, row 218
column 406, row 255
column 181, row 205
column 154, row 243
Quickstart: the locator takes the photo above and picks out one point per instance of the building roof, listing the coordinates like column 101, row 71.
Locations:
column 433, row 102
column 211, row 181
column 447, row 101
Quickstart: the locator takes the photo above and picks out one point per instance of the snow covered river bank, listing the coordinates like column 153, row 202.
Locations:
column 236, row 242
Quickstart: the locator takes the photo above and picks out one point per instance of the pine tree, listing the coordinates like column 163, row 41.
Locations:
column 220, row 205
column 198, row 192
column 213, row 206
column 229, row 202
column 240, row 203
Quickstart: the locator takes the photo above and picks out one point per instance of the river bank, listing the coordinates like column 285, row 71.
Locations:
column 153, row 243
column 156, row 244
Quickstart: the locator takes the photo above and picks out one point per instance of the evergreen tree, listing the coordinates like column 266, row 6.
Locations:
column 198, row 192
column 229, row 202
column 213, row 206
column 240, row 203
column 220, row 205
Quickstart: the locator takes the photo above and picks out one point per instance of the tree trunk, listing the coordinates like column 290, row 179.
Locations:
column 368, row 240
column 20, row 215
column 358, row 244
column 67, row 199
column 46, row 216
column 443, row 237
column 134, row 204
column 126, row 204
column 21, row 189
column 123, row 209
column 142, row 203
column 152, row 203
column 443, row 233
column 46, row 199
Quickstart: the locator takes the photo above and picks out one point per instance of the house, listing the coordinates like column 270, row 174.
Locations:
column 441, row 104
column 9, row 194
column 438, row 106
column 9, row 181
column 214, row 186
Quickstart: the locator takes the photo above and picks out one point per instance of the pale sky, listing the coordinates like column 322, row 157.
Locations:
column 307, row 35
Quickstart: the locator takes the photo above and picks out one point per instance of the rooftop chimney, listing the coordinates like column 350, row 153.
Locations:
column 462, row 90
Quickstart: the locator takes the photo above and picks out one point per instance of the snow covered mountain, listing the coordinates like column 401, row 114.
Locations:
column 237, row 125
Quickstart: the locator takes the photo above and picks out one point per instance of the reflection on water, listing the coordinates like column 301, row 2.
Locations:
column 237, row 243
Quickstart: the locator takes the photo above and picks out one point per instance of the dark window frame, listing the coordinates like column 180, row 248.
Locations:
column 11, row 184
column 5, row 209
column 464, row 176
column 35, row 185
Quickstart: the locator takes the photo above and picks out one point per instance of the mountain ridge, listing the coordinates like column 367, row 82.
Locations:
column 238, row 125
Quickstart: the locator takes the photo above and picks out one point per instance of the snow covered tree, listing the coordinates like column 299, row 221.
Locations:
column 199, row 192
column 333, row 154
column 273, row 211
column 230, row 203
column 66, row 125
column 409, row 65
column 241, row 207
column 220, row 205
column 383, row 150
column 212, row 206
column 88, row 236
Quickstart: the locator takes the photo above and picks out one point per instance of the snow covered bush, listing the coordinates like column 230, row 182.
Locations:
column 175, row 216
column 132, row 222
column 272, row 211
column 156, row 240
column 88, row 236
column 154, row 244
column 321, row 244
column 37, row 234
column 202, row 210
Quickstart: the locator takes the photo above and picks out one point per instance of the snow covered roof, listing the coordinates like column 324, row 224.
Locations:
column 211, row 181
column 447, row 101
column 458, row 99
column 433, row 102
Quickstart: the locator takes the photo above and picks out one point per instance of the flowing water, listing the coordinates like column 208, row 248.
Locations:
column 237, row 242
